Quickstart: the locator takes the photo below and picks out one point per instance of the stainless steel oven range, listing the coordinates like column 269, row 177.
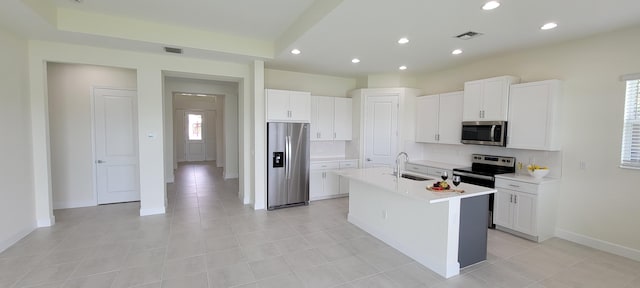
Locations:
column 482, row 171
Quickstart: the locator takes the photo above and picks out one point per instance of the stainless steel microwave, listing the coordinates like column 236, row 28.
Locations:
column 492, row 133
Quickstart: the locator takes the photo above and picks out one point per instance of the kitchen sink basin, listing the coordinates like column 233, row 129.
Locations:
column 415, row 178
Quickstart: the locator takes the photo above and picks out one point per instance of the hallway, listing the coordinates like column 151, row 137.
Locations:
column 209, row 239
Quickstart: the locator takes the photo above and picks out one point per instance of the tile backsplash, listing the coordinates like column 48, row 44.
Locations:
column 461, row 154
column 327, row 149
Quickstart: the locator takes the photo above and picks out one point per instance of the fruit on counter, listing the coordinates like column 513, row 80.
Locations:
column 534, row 167
column 441, row 184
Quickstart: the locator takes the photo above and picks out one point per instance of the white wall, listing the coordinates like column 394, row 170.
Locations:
column 314, row 83
column 70, row 127
column 150, row 73
column 17, row 209
column 227, row 96
column 598, row 205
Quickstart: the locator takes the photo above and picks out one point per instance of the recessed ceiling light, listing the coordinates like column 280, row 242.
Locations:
column 491, row 5
column 355, row 60
column 456, row 52
column 295, row 51
column 403, row 40
column 402, row 67
column 549, row 26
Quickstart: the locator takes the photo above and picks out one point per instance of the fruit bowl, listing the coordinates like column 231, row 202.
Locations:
column 538, row 173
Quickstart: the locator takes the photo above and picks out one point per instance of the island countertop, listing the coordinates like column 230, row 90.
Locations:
column 383, row 178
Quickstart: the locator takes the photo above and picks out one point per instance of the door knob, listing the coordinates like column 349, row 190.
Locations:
column 100, row 161
column 369, row 159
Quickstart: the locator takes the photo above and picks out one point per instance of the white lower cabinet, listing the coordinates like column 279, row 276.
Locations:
column 526, row 208
column 427, row 170
column 516, row 210
column 323, row 184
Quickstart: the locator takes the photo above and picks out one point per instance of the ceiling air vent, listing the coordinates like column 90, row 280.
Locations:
column 173, row 50
column 468, row 35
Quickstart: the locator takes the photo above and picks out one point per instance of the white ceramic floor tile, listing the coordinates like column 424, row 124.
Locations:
column 269, row 267
column 209, row 238
column 224, row 258
column 104, row 280
column 230, row 276
column 184, row 267
column 193, row 281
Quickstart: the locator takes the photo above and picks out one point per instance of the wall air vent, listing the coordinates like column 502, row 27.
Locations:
column 468, row 35
column 173, row 50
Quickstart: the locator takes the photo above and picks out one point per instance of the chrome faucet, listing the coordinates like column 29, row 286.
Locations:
column 398, row 171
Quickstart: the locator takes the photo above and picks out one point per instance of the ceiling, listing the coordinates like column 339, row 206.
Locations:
column 328, row 32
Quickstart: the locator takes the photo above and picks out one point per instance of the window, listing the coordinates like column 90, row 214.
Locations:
column 631, row 133
column 195, row 126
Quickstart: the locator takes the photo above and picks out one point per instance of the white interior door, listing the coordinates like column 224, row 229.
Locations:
column 381, row 130
column 116, row 145
column 195, row 144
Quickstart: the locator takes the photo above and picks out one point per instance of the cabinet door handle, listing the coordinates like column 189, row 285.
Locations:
column 513, row 185
column 511, row 198
column 480, row 114
column 515, row 199
column 334, row 135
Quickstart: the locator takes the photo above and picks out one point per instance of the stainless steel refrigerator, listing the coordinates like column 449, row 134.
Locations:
column 287, row 164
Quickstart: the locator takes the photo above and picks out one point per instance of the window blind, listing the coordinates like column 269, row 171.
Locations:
column 631, row 134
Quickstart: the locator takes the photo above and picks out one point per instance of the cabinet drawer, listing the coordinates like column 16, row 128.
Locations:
column 517, row 186
column 324, row 165
column 349, row 164
column 417, row 168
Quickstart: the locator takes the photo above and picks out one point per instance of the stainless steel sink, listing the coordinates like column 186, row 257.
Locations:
column 415, row 178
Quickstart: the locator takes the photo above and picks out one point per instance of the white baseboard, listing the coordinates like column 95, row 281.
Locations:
column 152, row 211
column 6, row 243
column 68, row 204
column 46, row 222
column 228, row 176
column 599, row 244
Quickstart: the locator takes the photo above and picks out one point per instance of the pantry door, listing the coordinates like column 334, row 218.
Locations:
column 381, row 130
column 116, row 145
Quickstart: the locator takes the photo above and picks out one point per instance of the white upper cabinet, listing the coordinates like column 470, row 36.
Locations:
column 533, row 116
column 331, row 118
column 427, row 108
column 343, row 126
column 322, row 118
column 288, row 106
column 487, row 99
column 439, row 117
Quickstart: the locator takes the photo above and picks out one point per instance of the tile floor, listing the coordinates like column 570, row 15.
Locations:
column 209, row 239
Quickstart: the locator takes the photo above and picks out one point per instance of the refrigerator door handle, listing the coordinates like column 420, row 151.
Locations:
column 288, row 157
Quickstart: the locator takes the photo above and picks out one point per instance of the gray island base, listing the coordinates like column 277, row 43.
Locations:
column 443, row 231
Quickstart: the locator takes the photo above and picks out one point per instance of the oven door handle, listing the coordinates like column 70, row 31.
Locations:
column 471, row 175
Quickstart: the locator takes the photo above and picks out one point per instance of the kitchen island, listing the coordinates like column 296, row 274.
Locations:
column 425, row 225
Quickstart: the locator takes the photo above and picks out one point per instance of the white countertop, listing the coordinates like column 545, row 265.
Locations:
column 331, row 159
column 441, row 165
column 381, row 177
column 526, row 178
